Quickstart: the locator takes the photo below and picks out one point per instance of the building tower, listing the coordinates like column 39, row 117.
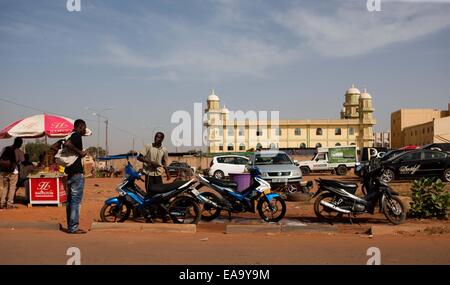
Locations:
column 365, row 137
column 351, row 103
column 213, row 122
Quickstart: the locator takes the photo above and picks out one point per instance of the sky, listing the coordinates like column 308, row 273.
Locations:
column 144, row 60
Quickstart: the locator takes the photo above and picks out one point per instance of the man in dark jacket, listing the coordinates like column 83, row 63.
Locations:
column 10, row 157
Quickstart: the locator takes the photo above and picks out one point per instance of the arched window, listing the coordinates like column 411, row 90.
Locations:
column 318, row 145
column 351, row 131
column 298, row 131
column 319, row 131
column 337, row 144
column 220, row 147
column 337, row 131
column 259, row 146
column 242, row 146
column 230, row 147
column 302, row 145
column 241, row 131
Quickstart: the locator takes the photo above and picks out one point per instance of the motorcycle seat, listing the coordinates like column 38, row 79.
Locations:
column 340, row 184
column 222, row 183
column 163, row 188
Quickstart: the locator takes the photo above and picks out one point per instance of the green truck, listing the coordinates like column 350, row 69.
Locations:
column 337, row 160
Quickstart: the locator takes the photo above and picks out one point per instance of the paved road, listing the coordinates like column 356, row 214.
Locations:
column 31, row 246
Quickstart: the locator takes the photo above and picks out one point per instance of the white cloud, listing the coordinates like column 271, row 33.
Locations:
column 354, row 31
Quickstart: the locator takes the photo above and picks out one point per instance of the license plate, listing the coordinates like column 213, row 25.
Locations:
column 279, row 180
column 195, row 192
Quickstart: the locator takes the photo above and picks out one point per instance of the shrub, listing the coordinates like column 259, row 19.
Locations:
column 429, row 199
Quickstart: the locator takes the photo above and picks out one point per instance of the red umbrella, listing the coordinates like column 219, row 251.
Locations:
column 39, row 126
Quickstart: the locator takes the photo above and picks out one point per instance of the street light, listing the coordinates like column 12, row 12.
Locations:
column 99, row 115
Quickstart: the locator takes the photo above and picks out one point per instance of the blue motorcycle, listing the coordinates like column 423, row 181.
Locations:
column 176, row 202
column 258, row 196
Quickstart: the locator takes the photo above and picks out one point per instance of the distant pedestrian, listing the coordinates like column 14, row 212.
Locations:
column 75, row 179
column 25, row 168
column 10, row 158
column 155, row 158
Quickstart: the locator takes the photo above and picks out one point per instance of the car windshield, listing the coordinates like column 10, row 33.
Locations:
column 273, row 158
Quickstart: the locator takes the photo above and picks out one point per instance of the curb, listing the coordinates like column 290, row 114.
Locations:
column 149, row 228
column 242, row 229
column 316, row 228
column 30, row 225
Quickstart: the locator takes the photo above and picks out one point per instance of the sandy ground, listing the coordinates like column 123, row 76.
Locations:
column 210, row 245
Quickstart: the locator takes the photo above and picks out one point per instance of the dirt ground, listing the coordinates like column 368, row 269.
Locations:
column 348, row 245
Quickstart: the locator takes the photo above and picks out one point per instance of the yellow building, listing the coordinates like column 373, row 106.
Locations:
column 420, row 127
column 229, row 132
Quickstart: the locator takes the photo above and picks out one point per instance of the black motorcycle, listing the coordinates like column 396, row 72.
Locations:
column 335, row 198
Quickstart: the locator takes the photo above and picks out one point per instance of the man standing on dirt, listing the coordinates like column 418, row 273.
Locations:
column 75, row 179
column 155, row 158
column 10, row 158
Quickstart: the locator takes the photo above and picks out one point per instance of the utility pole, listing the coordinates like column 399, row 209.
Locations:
column 106, row 135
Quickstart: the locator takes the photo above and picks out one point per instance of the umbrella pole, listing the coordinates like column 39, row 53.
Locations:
column 46, row 153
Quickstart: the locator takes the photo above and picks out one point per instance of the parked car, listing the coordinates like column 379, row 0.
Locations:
column 221, row 166
column 390, row 154
column 175, row 167
column 438, row 146
column 278, row 169
column 416, row 164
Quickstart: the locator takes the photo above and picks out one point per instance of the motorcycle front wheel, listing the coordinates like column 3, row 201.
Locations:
column 184, row 210
column 114, row 213
column 394, row 210
column 324, row 213
column 272, row 211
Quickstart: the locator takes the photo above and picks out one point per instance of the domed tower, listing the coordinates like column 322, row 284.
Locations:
column 214, row 122
column 213, row 101
column 224, row 113
column 351, row 103
column 366, row 121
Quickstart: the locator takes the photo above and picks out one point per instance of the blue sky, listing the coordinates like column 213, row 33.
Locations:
column 148, row 59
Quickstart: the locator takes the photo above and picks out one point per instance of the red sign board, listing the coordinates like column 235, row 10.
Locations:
column 44, row 190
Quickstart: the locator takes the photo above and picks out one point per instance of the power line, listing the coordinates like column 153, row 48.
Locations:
column 64, row 115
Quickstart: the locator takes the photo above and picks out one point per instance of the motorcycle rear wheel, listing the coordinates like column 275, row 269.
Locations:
column 184, row 210
column 325, row 213
column 209, row 212
column 113, row 214
column 394, row 210
column 268, row 210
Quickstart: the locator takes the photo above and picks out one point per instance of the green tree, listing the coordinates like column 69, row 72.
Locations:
column 36, row 149
column 93, row 151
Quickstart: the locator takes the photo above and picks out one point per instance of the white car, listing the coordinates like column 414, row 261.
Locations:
column 221, row 166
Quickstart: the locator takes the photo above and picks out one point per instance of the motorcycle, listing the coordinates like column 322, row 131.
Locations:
column 174, row 202
column 258, row 196
column 335, row 198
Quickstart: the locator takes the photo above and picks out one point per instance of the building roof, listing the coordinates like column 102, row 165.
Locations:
column 212, row 96
column 365, row 95
column 353, row 90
